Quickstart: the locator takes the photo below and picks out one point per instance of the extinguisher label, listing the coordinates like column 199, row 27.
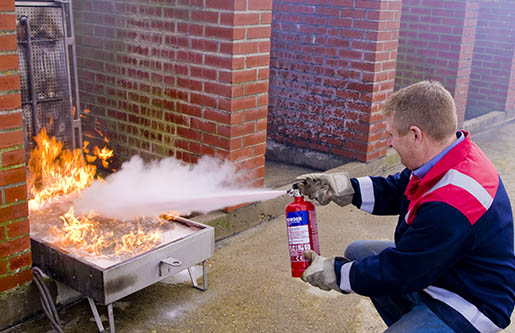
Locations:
column 297, row 218
column 298, row 232
column 298, row 235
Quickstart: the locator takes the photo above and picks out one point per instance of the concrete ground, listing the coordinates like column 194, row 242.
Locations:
column 250, row 288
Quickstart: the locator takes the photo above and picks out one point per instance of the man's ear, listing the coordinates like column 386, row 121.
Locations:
column 416, row 133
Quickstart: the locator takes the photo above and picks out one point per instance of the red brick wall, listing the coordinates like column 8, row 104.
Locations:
column 493, row 58
column 15, row 257
column 436, row 42
column 332, row 64
column 183, row 78
column 510, row 99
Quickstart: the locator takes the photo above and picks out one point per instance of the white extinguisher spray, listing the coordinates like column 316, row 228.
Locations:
column 301, row 223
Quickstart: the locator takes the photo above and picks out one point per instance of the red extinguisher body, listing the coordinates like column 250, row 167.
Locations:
column 302, row 232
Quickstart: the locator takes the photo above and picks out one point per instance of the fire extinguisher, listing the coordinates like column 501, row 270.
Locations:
column 301, row 223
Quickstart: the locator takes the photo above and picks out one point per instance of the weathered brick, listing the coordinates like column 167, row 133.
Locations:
column 255, row 114
column 8, row 61
column 237, row 155
column 7, row 5
column 9, row 139
column 20, row 261
column 243, row 103
column 13, row 212
column 253, row 163
column 246, row 47
column 254, row 139
column 257, row 60
column 220, row 4
column 446, row 38
column 355, row 35
column 13, row 157
column 218, row 116
column 243, row 129
column 195, row 76
column 10, row 120
column 15, row 193
column 490, row 87
column 218, row 89
column 14, row 280
column 244, row 76
column 14, row 246
column 258, row 32
column 3, row 267
column 10, row 101
column 254, row 88
column 7, row 21
column 8, row 42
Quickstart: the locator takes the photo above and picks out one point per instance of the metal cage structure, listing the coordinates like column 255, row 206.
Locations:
column 48, row 72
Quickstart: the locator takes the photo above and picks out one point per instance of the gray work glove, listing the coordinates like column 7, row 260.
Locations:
column 324, row 188
column 321, row 272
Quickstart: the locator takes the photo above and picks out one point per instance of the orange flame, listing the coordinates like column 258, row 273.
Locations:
column 104, row 154
column 86, row 234
column 55, row 173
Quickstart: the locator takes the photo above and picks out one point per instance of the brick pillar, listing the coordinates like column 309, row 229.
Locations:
column 248, row 79
column 15, row 257
column 435, row 43
column 491, row 83
column 510, row 99
column 183, row 78
column 332, row 65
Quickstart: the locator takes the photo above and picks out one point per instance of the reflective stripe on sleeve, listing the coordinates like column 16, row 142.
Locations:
column 345, row 277
column 367, row 194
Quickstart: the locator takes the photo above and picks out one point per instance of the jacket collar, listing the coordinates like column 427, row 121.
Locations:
column 453, row 157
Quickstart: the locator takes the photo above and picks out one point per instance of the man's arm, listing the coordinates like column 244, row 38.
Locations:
column 380, row 195
column 437, row 238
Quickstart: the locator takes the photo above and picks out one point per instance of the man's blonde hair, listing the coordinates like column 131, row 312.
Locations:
column 425, row 104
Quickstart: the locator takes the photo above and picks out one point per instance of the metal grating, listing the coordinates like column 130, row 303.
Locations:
column 50, row 71
column 46, row 89
column 57, row 121
column 45, row 22
column 24, row 81
column 27, row 126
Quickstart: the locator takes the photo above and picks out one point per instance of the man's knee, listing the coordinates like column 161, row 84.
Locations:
column 365, row 248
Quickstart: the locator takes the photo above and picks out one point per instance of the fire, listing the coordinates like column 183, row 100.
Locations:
column 137, row 241
column 81, row 233
column 86, row 234
column 104, row 154
column 55, row 176
column 54, row 171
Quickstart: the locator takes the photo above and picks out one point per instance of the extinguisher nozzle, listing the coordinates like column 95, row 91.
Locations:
column 294, row 191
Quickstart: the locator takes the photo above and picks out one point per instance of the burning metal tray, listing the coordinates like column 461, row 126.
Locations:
column 106, row 284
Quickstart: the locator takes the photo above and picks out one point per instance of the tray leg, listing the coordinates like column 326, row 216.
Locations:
column 93, row 307
column 204, row 277
column 111, row 317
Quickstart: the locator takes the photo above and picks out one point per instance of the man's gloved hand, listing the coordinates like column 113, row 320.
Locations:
column 324, row 188
column 321, row 272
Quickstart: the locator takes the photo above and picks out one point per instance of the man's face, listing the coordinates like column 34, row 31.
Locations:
column 403, row 145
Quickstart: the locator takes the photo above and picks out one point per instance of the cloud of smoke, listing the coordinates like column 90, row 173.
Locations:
column 150, row 189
